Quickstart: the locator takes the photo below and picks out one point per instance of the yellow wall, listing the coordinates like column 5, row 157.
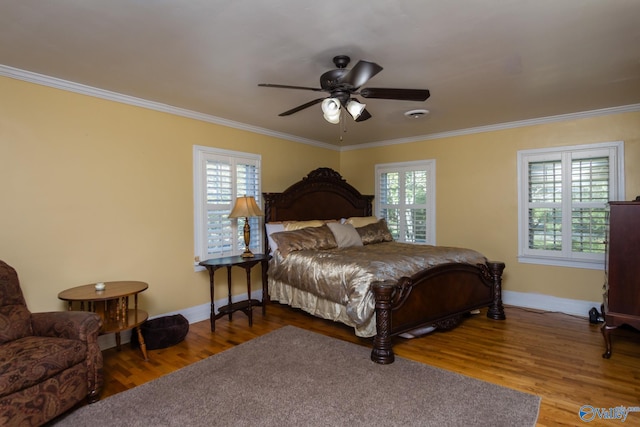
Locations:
column 476, row 191
column 94, row 190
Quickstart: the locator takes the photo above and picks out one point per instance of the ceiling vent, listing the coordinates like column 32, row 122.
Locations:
column 416, row 114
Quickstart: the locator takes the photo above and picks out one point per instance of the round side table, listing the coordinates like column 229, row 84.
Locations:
column 112, row 305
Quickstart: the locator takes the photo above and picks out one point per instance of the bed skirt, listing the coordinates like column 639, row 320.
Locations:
column 319, row 307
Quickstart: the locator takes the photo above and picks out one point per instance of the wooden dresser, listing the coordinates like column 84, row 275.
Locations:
column 622, row 287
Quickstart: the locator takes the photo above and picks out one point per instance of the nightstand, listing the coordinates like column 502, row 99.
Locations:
column 247, row 305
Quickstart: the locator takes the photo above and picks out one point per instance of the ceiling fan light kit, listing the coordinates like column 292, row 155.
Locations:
column 341, row 84
column 331, row 109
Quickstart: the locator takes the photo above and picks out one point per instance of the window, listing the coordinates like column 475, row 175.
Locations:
column 219, row 177
column 563, row 196
column 405, row 197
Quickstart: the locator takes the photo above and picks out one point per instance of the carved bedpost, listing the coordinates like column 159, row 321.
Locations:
column 382, row 345
column 496, row 309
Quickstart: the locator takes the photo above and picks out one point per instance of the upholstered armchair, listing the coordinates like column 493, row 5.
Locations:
column 49, row 362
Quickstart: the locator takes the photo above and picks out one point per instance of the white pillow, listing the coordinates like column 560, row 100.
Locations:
column 346, row 234
column 273, row 227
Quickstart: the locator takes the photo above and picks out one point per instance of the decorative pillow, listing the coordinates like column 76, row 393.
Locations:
column 361, row 221
column 345, row 234
column 306, row 238
column 375, row 233
column 273, row 227
column 297, row 225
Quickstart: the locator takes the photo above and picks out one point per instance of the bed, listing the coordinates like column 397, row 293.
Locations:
column 399, row 291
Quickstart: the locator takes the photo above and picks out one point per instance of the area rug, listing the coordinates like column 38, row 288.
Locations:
column 293, row 377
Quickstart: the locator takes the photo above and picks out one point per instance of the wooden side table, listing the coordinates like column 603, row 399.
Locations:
column 247, row 305
column 112, row 305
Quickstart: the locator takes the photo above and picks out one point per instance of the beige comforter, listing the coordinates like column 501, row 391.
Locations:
column 343, row 275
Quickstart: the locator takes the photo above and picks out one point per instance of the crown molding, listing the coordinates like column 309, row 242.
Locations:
column 633, row 108
column 66, row 85
column 79, row 88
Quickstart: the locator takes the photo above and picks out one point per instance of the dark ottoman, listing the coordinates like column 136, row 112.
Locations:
column 162, row 332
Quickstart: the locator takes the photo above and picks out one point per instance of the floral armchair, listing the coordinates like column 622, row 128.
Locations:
column 49, row 362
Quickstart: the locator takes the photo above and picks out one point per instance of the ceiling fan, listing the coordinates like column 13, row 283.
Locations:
column 342, row 84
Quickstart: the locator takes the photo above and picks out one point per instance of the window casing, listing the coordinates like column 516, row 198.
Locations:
column 220, row 176
column 563, row 196
column 405, row 198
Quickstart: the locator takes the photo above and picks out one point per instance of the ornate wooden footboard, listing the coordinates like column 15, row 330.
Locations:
column 437, row 296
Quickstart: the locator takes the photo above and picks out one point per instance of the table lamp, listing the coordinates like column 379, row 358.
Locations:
column 245, row 207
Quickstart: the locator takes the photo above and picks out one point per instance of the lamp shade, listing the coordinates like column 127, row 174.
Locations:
column 331, row 106
column 245, row 206
column 334, row 118
column 331, row 110
column 355, row 108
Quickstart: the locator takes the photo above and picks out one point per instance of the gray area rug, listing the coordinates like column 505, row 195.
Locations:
column 293, row 377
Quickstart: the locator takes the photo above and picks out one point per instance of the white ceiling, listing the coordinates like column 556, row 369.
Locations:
column 486, row 62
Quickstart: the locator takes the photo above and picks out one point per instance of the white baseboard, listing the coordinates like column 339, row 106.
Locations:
column 201, row 312
column 549, row 303
column 194, row 314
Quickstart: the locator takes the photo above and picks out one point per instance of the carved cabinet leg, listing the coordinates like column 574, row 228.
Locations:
column 606, row 333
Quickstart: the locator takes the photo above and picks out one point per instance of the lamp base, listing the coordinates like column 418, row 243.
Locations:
column 247, row 254
column 247, row 238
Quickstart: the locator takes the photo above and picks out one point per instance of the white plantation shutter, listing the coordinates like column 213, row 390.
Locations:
column 248, row 184
column 545, row 205
column 563, row 203
column 220, row 176
column 415, row 196
column 590, row 191
column 405, row 197
column 219, row 202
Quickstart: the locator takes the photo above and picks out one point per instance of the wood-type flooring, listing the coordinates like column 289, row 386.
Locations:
column 555, row 356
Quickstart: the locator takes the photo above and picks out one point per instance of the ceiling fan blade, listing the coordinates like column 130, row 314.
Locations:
column 399, row 94
column 360, row 73
column 301, row 107
column 363, row 116
column 290, row 87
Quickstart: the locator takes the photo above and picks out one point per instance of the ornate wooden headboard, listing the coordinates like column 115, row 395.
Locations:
column 322, row 194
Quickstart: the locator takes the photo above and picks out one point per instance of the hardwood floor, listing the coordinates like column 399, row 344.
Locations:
column 555, row 356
